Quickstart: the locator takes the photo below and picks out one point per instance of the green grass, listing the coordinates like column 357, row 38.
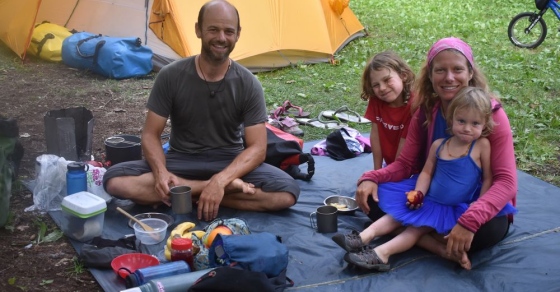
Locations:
column 527, row 81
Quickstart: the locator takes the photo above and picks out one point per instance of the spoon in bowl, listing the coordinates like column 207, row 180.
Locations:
column 144, row 225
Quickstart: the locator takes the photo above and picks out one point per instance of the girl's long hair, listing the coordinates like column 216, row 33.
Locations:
column 387, row 60
column 472, row 98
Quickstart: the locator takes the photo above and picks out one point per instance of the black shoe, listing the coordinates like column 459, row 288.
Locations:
column 350, row 242
column 367, row 259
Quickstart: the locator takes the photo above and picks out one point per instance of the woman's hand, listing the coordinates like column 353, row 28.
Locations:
column 365, row 189
column 459, row 241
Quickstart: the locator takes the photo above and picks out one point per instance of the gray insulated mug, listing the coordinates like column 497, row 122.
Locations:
column 327, row 220
column 181, row 201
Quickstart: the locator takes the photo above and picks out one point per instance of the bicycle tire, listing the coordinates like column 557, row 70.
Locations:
column 518, row 30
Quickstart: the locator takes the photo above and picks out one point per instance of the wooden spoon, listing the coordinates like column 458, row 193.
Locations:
column 144, row 225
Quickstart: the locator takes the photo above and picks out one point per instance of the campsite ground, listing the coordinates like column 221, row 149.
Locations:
column 27, row 94
column 28, row 91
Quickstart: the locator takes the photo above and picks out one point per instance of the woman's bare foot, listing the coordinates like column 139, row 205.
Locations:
column 237, row 185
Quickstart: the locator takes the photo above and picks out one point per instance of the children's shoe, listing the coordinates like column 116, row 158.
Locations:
column 350, row 242
column 367, row 259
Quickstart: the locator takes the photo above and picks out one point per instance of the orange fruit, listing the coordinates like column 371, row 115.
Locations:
column 218, row 230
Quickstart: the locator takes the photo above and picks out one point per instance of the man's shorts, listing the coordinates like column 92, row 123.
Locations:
column 202, row 166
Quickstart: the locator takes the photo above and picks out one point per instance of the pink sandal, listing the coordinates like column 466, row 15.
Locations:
column 298, row 113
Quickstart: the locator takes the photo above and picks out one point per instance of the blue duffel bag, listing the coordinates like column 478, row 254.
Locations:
column 112, row 57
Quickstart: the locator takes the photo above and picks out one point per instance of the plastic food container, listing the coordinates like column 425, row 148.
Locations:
column 151, row 237
column 84, row 214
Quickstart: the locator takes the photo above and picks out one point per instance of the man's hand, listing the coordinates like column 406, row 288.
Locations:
column 459, row 241
column 365, row 189
column 163, row 181
column 209, row 200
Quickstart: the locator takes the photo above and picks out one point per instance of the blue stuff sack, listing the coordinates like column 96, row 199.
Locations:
column 112, row 57
column 236, row 225
column 258, row 252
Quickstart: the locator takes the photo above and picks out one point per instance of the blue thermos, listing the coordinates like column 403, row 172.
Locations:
column 76, row 177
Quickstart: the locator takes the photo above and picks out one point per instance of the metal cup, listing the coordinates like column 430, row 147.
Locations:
column 181, row 201
column 327, row 220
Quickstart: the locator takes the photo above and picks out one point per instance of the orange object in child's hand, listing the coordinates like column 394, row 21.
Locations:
column 414, row 198
column 218, row 230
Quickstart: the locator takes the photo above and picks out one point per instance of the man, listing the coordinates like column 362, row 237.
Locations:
column 211, row 100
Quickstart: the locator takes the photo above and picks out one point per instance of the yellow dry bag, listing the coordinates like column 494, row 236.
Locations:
column 46, row 41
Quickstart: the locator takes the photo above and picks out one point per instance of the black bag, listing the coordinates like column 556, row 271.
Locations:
column 337, row 147
column 284, row 151
column 235, row 279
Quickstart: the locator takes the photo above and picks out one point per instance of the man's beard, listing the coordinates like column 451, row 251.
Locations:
column 213, row 57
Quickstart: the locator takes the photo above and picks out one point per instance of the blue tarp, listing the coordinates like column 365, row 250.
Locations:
column 526, row 260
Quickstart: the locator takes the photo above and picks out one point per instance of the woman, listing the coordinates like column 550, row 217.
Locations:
column 449, row 67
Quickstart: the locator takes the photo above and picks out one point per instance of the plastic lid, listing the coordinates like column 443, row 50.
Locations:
column 131, row 281
column 181, row 243
column 83, row 204
column 76, row 166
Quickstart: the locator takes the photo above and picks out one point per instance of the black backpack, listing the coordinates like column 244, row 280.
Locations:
column 284, row 151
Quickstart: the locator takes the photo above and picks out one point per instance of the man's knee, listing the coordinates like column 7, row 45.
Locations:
column 110, row 186
column 284, row 200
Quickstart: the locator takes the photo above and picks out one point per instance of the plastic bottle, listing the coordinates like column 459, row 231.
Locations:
column 76, row 177
column 142, row 276
column 176, row 283
column 181, row 250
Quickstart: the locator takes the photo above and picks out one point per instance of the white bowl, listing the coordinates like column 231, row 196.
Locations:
column 151, row 237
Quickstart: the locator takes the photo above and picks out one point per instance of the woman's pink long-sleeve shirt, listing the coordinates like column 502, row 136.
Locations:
column 504, row 170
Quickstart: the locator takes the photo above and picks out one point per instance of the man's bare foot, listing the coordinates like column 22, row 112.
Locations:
column 237, row 185
column 463, row 260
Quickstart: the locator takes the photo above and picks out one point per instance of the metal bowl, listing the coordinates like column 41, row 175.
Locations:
column 350, row 203
column 168, row 219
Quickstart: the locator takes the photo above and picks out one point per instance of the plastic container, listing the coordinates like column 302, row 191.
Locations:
column 76, row 177
column 143, row 275
column 181, row 250
column 176, row 283
column 83, row 216
column 151, row 237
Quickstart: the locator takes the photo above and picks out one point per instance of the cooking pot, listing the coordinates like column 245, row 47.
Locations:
column 121, row 148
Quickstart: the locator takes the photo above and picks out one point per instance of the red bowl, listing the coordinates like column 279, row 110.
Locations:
column 128, row 263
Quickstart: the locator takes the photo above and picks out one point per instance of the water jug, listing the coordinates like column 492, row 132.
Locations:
column 175, row 283
column 142, row 276
column 76, row 177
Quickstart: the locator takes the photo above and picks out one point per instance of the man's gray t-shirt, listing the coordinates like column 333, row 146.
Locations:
column 200, row 122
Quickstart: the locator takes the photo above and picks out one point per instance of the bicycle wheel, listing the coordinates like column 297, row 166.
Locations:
column 527, row 30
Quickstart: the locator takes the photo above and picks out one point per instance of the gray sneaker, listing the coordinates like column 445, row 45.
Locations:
column 350, row 242
column 287, row 125
column 367, row 259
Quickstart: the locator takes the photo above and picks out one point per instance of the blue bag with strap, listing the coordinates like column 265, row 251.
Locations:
column 112, row 57
column 258, row 252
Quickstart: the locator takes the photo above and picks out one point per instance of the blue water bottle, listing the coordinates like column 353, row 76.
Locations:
column 142, row 276
column 76, row 177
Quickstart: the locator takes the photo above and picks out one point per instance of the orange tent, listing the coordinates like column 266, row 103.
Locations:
column 275, row 33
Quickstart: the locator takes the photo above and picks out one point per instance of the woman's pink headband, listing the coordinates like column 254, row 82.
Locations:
column 451, row 43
